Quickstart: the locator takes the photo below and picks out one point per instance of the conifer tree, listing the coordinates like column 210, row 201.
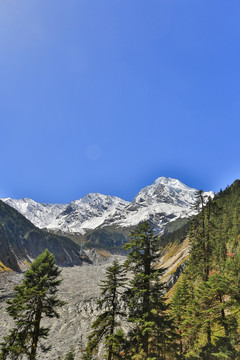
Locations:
column 208, row 324
column 182, row 311
column 152, row 331
column 200, row 236
column 201, row 241
column 215, row 308
column 34, row 299
column 106, row 326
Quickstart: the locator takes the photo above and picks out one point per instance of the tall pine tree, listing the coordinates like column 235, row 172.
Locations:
column 106, row 326
column 152, row 331
column 208, row 322
column 182, row 313
column 34, row 299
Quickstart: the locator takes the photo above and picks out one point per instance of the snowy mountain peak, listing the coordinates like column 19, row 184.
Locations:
column 166, row 190
column 89, row 212
column 96, row 199
column 165, row 200
column 170, row 182
column 41, row 215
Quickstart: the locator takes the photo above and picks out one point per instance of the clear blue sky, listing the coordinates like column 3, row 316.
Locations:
column 107, row 95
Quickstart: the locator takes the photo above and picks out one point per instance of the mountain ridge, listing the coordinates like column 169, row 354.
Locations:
column 22, row 241
column 165, row 200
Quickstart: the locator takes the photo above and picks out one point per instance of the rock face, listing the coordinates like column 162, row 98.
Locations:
column 20, row 241
column 165, row 200
column 7, row 256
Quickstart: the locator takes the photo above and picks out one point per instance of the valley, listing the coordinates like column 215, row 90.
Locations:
column 80, row 290
column 167, row 205
column 104, row 220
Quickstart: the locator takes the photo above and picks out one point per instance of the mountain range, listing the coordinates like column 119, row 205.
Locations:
column 95, row 221
column 168, row 197
column 165, row 200
column 21, row 241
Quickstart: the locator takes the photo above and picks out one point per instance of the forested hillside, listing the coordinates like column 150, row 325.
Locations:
column 206, row 300
column 201, row 318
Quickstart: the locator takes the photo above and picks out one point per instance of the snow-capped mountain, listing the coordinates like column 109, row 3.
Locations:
column 165, row 200
column 40, row 214
column 77, row 217
column 88, row 213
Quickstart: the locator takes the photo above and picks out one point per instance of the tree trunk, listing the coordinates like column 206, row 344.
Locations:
column 224, row 317
column 35, row 336
column 110, row 348
column 146, row 296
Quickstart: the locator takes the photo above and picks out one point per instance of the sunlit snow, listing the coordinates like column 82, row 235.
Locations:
column 165, row 198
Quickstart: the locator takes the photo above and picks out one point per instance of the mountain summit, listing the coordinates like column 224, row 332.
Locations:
column 165, row 200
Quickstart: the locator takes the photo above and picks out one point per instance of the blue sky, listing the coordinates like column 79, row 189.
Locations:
column 106, row 96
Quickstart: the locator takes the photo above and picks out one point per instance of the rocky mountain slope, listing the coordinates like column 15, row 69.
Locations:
column 80, row 290
column 21, row 241
column 165, row 200
column 100, row 221
column 88, row 212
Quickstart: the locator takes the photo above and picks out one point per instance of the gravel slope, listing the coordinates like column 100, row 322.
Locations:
column 80, row 290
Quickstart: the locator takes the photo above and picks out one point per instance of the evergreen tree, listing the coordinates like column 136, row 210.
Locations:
column 182, row 312
column 201, row 241
column 200, row 237
column 33, row 299
column 215, row 308
column 106, row 326
column 152, row 331
column 208, row 323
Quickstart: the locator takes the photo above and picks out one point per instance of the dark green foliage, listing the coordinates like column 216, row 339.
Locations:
column 152, row 335
column 200, row 237
column 182, row 314
column 34, row 299
column 66, row 252
column 175, row 232
column 106, row 327
column 206, row 304
column 228, row 219
column 109, row 238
